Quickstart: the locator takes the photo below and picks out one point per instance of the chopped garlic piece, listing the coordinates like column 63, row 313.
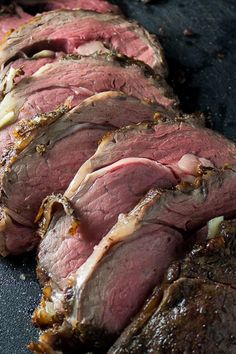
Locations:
column 7, row 119
column 7, row 83
column 10, row 79
column 213, row 226
column 44, row 54
column 22, row 276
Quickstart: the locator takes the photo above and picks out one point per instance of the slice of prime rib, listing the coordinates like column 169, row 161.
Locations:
column 47, row 153
column 71, row 80
column 49, row 5
column 108, row 289
column 11, row 17
column 194, row 310
column 179, row 144
column 80, row 32
column 22, row 65
column 127, row 163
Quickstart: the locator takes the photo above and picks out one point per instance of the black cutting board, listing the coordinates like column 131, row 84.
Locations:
column 203, row 72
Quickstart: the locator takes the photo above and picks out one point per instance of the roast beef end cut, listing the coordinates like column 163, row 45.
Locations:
column 193, row 289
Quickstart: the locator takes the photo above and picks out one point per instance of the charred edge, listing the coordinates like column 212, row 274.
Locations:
column 60, row 335
column 48, row 206
column 219, row 244
column 42, row 275
column 227, row 229
column 110, row 136
column 46, row 319
column 42, row 318
column 38, row 121
column 143, row 126
column 121, row 59
column 8, row 157
column 203, row 175
column 159, row 117
column 62, row 338
column 212, row 260
column 98, row 336
column 66, row 339
column 125, row 61
column 40, row 348
column 154, row 195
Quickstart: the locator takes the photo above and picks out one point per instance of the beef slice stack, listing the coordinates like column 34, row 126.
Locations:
column 130, row 188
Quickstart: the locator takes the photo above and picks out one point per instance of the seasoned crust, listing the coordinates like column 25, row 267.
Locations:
column 126, row 62
column 195, row 120
column 24, row 133
column 47, row 209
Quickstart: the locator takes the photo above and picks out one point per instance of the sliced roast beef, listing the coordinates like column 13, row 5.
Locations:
column 110, row 286
column 49, row 5
column 32, row 169
column 136, row 159
column 70, row 81
column 197, row 311
column 178, row 144
column 11, row 17
column 130, row 161
column 83, row 32
column 108, row 193
column 25, row 67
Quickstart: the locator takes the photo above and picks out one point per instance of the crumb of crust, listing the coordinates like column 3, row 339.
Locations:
column 220, row 55
column 161, row 31
column 22, row 276
column 188, row 32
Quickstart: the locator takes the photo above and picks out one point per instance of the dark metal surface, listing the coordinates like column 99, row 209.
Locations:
column 19, row 294
column 203, row 72
column 207, row 59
